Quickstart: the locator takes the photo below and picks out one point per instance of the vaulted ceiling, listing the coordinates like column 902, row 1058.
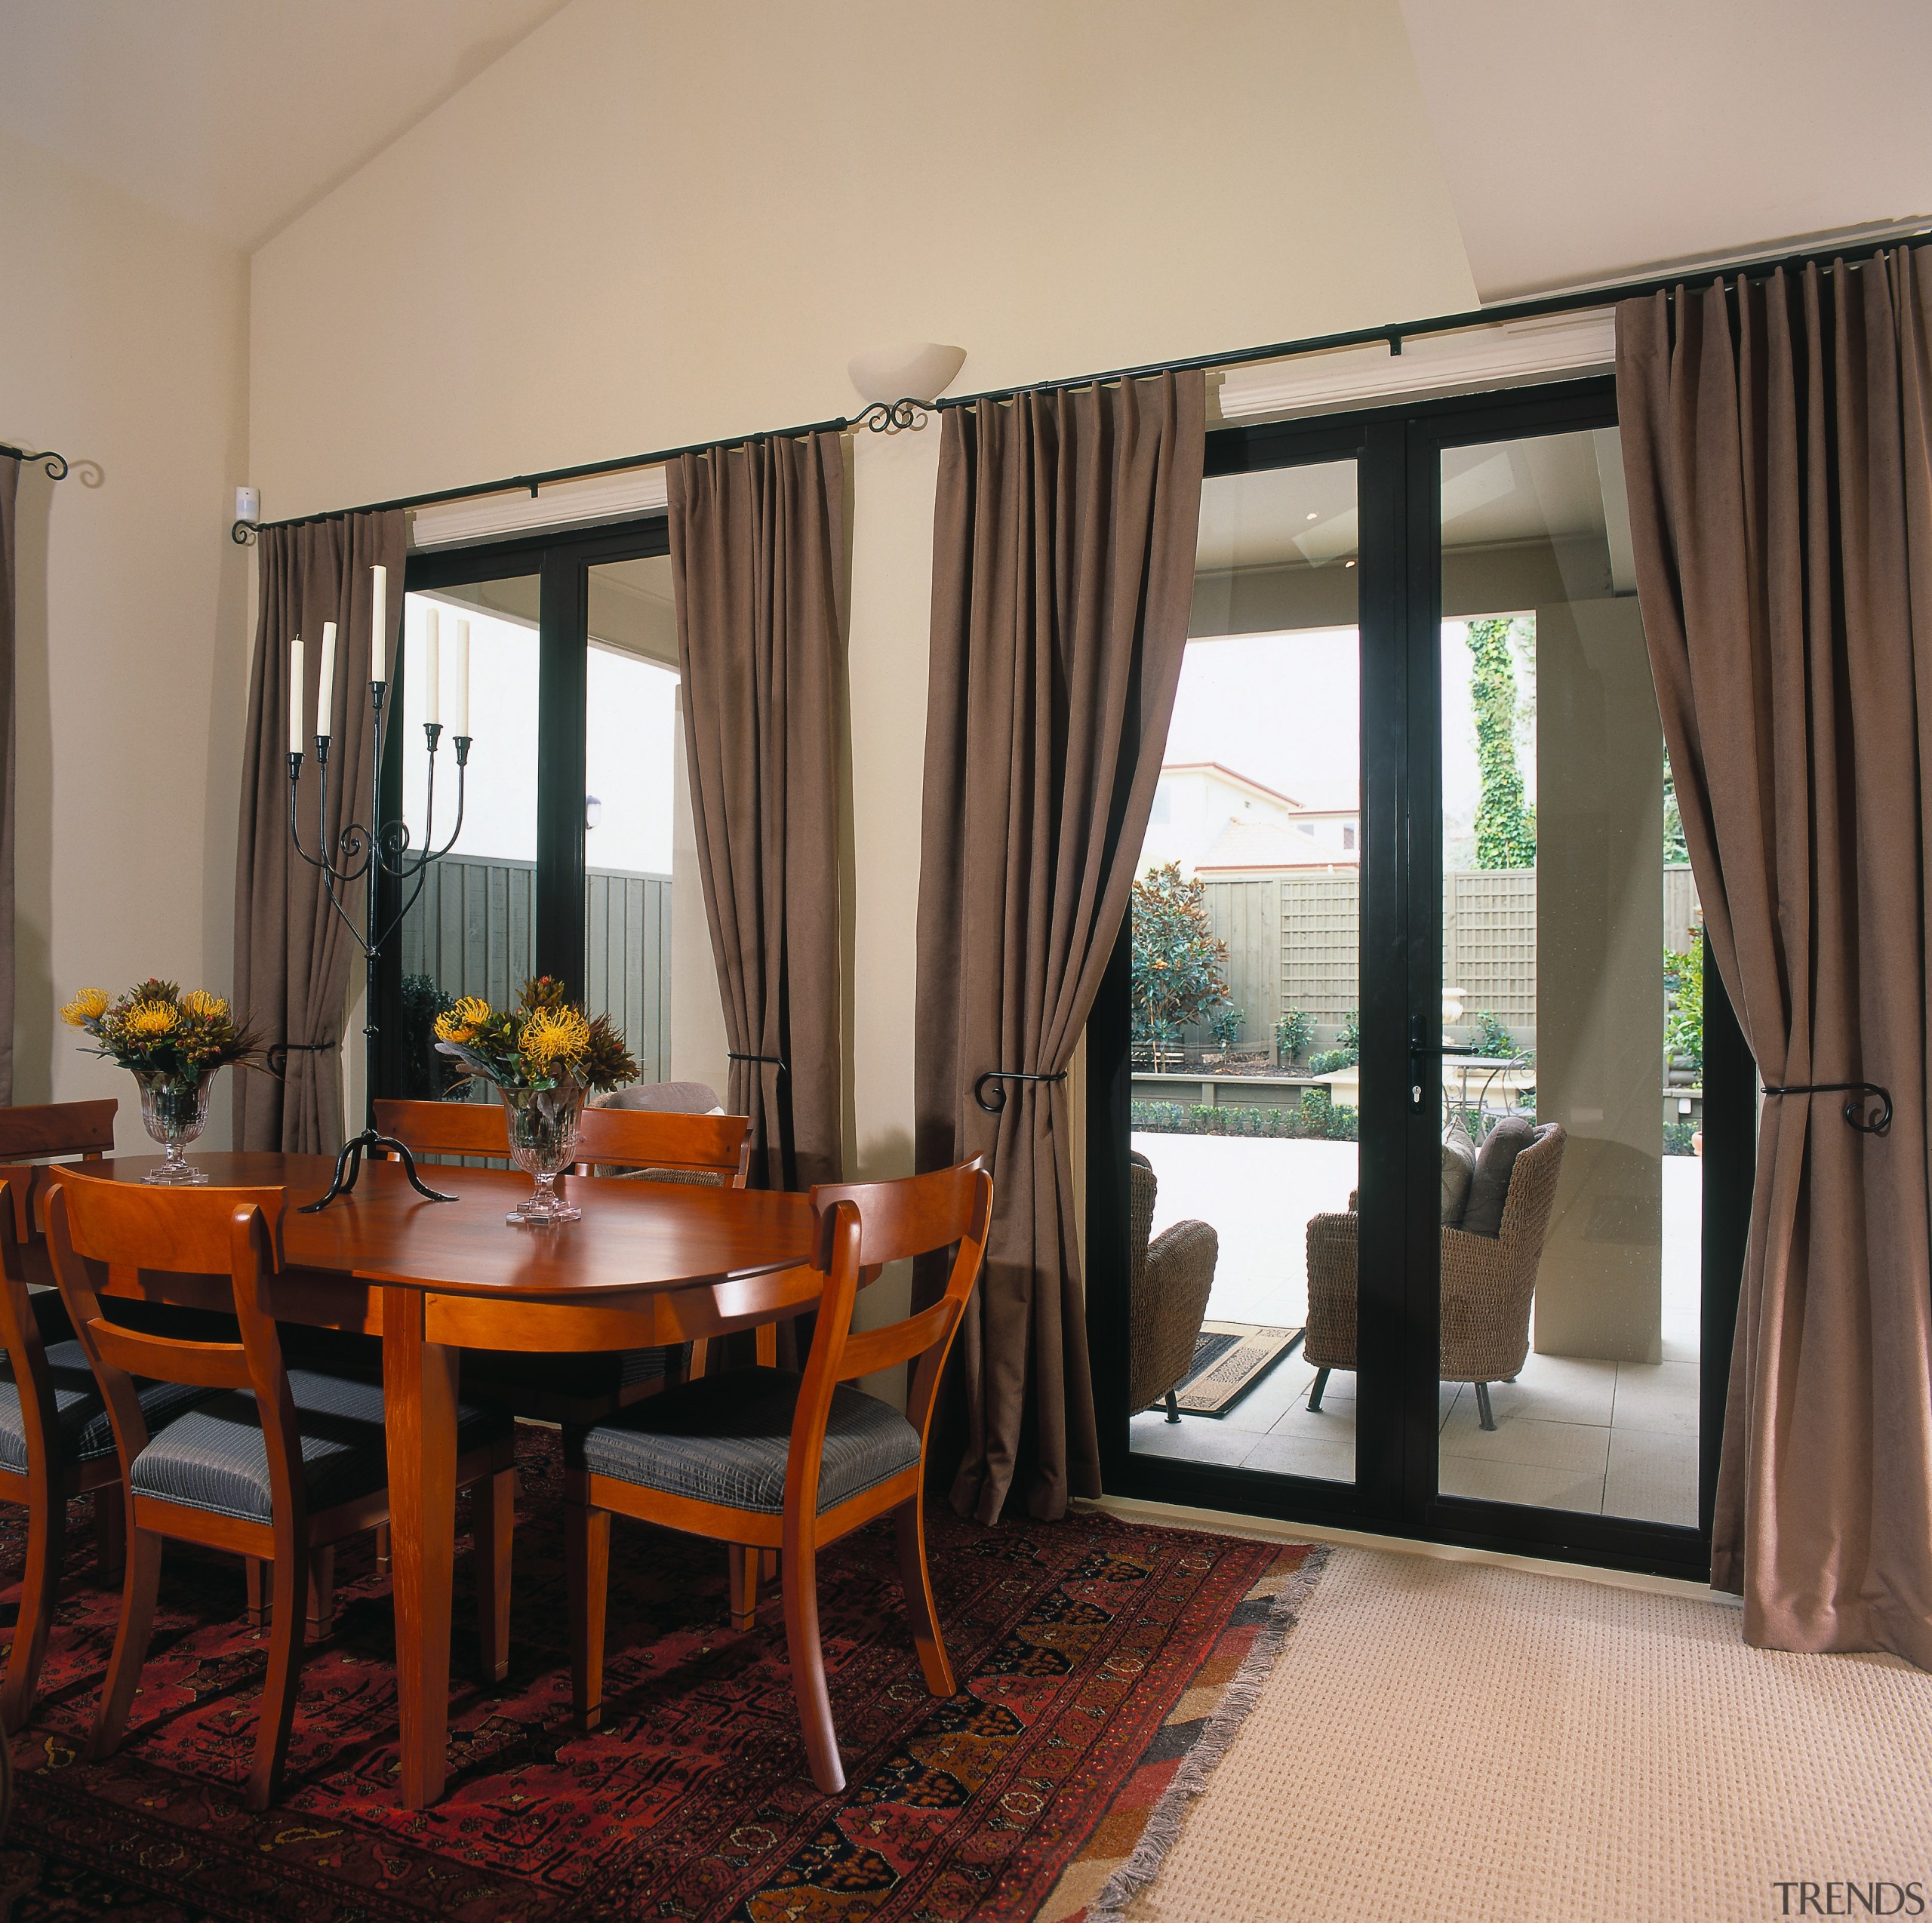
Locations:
column 1577, row 142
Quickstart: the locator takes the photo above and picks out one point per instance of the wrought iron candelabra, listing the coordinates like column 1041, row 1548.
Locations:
column 368, row 854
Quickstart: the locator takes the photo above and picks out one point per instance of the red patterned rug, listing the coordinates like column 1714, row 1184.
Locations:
column 1077, row 1644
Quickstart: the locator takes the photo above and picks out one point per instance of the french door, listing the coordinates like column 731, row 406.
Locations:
column 562, row 652
column 1414, row 880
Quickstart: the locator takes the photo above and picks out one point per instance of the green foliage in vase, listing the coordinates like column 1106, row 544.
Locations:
column 155, row 1029
column 1505, row 825
column 544, row 1042
column 1178, row 971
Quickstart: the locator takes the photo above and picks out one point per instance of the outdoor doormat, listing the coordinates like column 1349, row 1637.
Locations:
column 1074, row 1644
column 1229, row 1358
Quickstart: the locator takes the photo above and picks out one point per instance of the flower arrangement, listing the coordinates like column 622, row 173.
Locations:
column 173, row 1044
column 155, row 1029
column 542, row 1043
column 541, row 1056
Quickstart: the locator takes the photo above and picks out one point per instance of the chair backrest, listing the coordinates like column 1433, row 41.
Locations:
column 862, row 1227
column 29, row 1135
column 654, row 1139
column 1530, row 1199
column 127, row 1227
column 446, row 1129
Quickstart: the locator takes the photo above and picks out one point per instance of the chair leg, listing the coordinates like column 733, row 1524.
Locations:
column 40, row 1584
column 110, row 1533
column 1173, row 1407
column 587, row 1560
column 765, row 1344
column 384, row 1560
column 279, row 1690
column 255, row 1612
column 701, row 1359
column 322, row 1591
column 741, row 1599
column 915, row 1578
column 493, row 1523
column 767, row 1565
column 1482, row 1410
column 1315, row 1394
column 801, row 1587
column 138, row 1584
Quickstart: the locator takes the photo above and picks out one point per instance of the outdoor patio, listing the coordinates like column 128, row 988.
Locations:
column 1611, row 1437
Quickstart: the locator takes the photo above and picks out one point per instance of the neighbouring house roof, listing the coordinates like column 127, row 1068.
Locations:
column 1229, row 776
column 1247, row 847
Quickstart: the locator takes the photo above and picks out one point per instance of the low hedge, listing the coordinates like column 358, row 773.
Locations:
column 1313, row 1122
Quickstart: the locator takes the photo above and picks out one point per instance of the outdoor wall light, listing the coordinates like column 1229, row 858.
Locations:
column 593, row 810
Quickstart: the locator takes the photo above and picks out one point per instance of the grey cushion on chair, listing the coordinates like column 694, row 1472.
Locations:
column 214, row 1457
column 1496, row 1163
column 80, row 1415
column 724, row 1439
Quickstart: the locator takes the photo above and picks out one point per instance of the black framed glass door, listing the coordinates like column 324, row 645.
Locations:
column 561, row 653
column 1411, row 885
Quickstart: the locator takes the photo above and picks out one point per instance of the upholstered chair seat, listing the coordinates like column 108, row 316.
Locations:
column 214, row 1457
column 80, row 1415
column 724, row 1439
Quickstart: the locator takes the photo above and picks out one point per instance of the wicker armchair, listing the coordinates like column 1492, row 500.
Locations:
column 1169, row 1283
column 1488, row 1283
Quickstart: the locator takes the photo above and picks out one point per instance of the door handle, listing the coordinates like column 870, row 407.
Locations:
column 1421, row 1048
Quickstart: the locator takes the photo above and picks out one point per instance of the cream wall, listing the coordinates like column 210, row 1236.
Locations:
column 123, row 343
column 653, row 224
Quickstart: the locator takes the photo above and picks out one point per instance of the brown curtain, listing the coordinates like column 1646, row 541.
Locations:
column 1778, row 437
column 292, row 953
column 10, row 482
column 757, row 549
column 1062, row 574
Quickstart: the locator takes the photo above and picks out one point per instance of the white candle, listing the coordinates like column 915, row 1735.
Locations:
column 325, row 692
column 378, row 623
column 432, row 664
column 462, row 677
column 295, row 696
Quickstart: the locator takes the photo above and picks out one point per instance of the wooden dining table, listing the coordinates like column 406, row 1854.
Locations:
column 648, row 1263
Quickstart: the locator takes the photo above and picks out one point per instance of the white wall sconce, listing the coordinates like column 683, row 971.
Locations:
column 593, row 811
column 247, row 512
column 899, row 383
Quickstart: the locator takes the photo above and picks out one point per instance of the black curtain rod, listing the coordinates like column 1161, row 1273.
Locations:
column 55, row 464
column 882, row 414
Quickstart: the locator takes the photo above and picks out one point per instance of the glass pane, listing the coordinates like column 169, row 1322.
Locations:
column 472, row 930
column 1246, row 1092
column 632, row 740
column 1571, row 976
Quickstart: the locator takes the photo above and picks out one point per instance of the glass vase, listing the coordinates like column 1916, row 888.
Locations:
column 542, row 1128
column 174, row 1109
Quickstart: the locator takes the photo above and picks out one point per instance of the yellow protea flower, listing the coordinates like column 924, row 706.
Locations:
column 198, row 1005
column 88, row 1006
column 552, row 1039
column 148, row 1021
column 460, row 1023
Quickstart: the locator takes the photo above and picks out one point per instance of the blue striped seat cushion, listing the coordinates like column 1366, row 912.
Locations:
column 724, row 1439
column 80, row 1416
column 214, row 1457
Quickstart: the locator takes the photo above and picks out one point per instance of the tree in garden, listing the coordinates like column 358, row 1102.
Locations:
column 1179, row 970
column 1683, row 1003
column 1225, row 1026
column 1505, row 825
column 1293, row 1033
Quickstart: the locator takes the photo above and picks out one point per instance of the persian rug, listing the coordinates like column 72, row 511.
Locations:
column 1074, row 1644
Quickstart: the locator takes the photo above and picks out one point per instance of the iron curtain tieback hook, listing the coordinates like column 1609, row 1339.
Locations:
column 1855, row 1112
column 993, row 1101
column 776, row 1061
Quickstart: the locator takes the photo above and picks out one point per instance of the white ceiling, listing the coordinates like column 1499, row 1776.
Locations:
column 1578, row 142
column 236, row 116
column 1584, row 142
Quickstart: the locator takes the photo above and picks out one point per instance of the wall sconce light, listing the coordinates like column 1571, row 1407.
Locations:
column 593, row 811
column 899, row 383
column 247, row 512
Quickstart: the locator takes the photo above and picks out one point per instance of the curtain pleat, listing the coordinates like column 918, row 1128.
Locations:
column 758, row 564
column 1777, row 438
column 10, row 482
column 292, row 952
column 1062, row 576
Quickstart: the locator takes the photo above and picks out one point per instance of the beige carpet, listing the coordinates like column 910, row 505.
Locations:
column 1445, row 1739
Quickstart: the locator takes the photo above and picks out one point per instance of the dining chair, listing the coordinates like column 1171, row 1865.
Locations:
column 275, row 1464
column 642, row 1144
column 56, row 1441
column 769, row 1459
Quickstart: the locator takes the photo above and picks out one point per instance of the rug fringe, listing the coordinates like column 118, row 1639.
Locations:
column 1163, row 1827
